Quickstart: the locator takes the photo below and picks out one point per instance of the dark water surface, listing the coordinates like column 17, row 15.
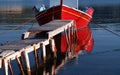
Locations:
column 104, row 59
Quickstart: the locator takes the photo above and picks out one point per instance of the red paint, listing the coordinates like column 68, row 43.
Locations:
column 84, row 38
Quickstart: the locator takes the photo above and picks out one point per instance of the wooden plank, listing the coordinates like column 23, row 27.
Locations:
column 6, row 53
column 50, row 26
column 11, row 53
column 57, row 23
column 18, row 45
column 31, row 41
column 14, row 47
column 26, row 42
column 41, row 28
column 54, row 27
column 59, row 30
column 13, row 56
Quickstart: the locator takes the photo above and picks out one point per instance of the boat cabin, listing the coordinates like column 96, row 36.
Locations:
column 51, row 3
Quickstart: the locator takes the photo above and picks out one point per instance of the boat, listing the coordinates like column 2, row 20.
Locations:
column 78, row 39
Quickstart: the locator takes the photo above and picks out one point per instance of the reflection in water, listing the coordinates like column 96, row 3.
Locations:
column 107, row 14
column 51, row 67
column 16, row 15
column 21, row 14
column 104, row 48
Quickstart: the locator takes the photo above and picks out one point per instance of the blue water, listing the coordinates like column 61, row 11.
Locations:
column 7, row 32
column 104, row 59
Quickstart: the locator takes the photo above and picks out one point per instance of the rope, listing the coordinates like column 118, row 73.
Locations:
column 71, row 45
column 105, row 51
column 109, row 29
column 74, row 39
column 21, row 25
column 67, row 39
column 101, row 52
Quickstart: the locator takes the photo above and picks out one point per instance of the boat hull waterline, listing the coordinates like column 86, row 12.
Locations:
column 82, row 38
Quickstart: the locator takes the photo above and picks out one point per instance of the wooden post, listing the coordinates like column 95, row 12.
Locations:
column 44, row 70
column 53, row 68
column 20, row 65
column 1, row 61
column 44, row 52
column 5, row 66
column 25, row 35
column 27, row 62
column 9, row 66
column 36, row 56
column 52, row 44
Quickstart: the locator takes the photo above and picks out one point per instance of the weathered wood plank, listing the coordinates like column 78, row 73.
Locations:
column 60, row 29
column 11, row 50
column 18, row 45
column 14, row 47
column 42, row 28
column 54, row 27
column 26, row 42
column 50, row 26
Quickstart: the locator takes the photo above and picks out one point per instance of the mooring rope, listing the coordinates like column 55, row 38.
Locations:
column 105, row 51
column 21, row 25
column 18, row 26
column 71, row 45
column 101, row 52
column 108, row 29
column 67, row 39
column 75, row 38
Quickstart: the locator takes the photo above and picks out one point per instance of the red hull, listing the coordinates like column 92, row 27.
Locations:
column 83, row 38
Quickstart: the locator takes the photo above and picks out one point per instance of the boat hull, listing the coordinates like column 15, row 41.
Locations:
column 82, row 37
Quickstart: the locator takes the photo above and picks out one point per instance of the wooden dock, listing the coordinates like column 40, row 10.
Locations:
column 32, row 41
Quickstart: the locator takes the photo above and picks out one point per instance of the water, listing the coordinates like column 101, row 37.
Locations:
column 12, row 32
column 104, row 59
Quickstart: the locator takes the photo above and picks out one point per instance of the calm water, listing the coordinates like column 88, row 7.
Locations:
column 104, row 59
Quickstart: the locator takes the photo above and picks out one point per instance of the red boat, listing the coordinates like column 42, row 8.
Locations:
column 82, row 38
